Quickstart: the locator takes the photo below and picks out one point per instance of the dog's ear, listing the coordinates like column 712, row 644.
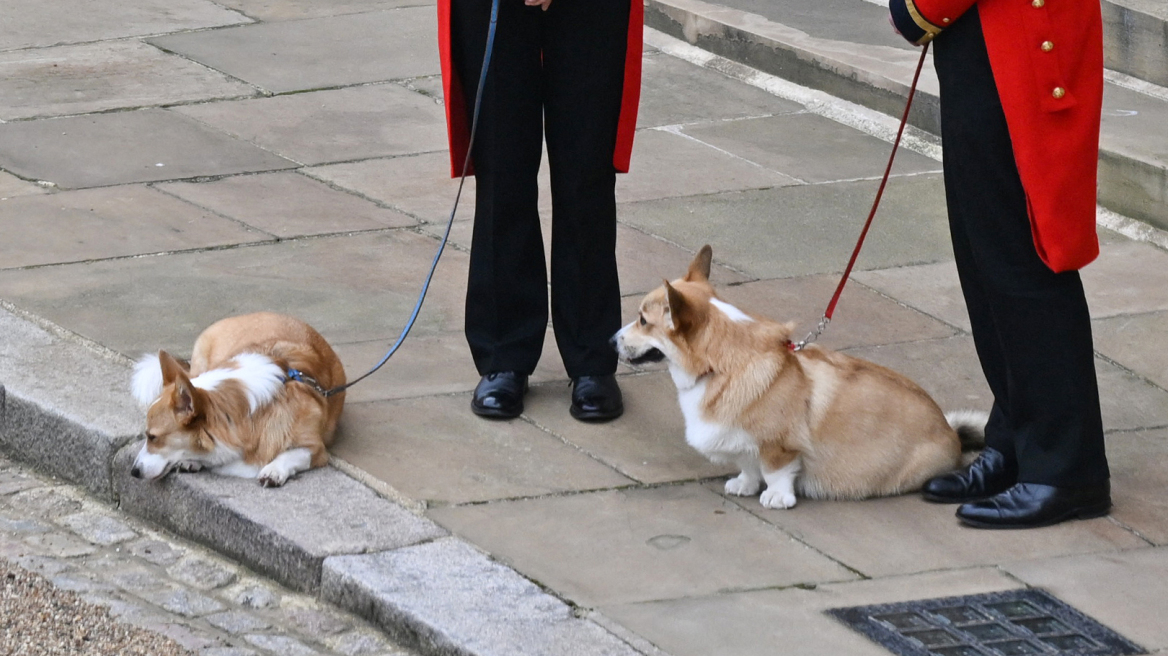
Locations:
column 170, row 367
column 680, row 310
column 699, row 269
column 185, row 401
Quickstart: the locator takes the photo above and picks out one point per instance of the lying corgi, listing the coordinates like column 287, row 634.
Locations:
column 250, row 404
column 813, row 422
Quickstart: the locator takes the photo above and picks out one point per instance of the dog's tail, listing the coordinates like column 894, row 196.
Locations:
column 970, row 426
column 146, row 385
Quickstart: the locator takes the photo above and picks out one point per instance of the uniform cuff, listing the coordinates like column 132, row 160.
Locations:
column 912, row 25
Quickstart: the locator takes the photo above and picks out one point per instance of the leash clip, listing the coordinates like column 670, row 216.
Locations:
column 301, row 377
column 811, row 336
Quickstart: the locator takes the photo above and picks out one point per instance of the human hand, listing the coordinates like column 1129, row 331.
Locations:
column 544, row 4
column 890, row 22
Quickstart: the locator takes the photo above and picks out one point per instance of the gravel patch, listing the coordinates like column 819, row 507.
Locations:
column 38, row 619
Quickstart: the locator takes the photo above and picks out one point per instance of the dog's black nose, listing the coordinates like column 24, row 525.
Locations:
column 136, row 473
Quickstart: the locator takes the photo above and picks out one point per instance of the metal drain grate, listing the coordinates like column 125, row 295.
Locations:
column 1014, row 623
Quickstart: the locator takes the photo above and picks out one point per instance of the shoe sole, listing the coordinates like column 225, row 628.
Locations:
column 594, row 417
column 488, row 413
column 1089, row 512
column 932, row 498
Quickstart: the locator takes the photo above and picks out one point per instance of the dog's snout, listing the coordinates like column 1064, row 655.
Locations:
column 136, row 473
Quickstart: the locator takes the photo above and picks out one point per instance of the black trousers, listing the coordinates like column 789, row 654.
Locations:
column 1031, row 327
column 559, row 73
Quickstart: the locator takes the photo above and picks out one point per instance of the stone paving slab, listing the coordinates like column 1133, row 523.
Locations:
column 949, row 370
column 434, row 449
column 278, row 10
column 286, row 533
column 646, row 444
column 1127, row 278
column 418, row 185
column 103, row 76
column 1123, row 591
column 674, row 92
column 667, row 164
column 927, row 536
column 863, row 317
column 93, row 224
column 319, row 53
column 444, row 598
column 123, row 147
column 12, row 186
column 34, row 23
column 810, row 148
column 350, row 289
column 623, row 546
column 1139, row 479
column 332, row 126
column 751, row 231
column 792, row 620
column 427, row 365
column 287, row 205
column 1124, row 339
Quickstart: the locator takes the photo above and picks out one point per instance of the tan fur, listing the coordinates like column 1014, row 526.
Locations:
column 193, row 419
column 859, row 429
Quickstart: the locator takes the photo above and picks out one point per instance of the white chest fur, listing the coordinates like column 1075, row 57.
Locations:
column 715, row 441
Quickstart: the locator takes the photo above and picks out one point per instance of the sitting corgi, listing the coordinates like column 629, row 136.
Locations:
column 812, row 422
column 251, row 403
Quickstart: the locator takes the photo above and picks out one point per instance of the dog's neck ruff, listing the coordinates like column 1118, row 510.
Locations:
column 685, row 380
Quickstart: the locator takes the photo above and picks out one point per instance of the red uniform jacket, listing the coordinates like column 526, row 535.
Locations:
column 458, row 105
column 1047, row 59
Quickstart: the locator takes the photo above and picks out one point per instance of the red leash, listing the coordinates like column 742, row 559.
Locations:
column 813, row 335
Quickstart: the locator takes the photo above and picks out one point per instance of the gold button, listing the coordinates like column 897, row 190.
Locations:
column 1047, row 46
column 1058, row 92
column 1037, row 4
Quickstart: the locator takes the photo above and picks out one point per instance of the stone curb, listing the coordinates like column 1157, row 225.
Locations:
column 65, row 409
column 1136, row 39
column 446, row 598
column 878, row 77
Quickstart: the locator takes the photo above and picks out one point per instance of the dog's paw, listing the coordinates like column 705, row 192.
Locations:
column 778, row 499
column 742, row 486
column 273, row 475
column 188, row 466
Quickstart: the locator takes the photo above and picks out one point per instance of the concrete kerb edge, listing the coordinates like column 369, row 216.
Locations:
column 34, row 433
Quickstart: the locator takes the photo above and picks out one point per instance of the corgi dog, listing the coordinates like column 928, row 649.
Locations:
column 249, row 404
column 811, row 422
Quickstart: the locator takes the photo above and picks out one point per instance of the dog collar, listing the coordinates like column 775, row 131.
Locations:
column 301, row 377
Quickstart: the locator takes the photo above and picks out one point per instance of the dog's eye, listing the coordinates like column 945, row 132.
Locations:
column 643, row 322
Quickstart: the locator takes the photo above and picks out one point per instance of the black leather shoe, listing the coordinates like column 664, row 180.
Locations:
column 1030, row 505
column 596, row 398
column 990, row 474
column 499, row 395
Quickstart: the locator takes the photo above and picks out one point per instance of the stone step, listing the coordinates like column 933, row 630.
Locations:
column 1135, row 38
column 846, row 48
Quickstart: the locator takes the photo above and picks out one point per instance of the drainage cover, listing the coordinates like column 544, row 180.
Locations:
column 1014, row 623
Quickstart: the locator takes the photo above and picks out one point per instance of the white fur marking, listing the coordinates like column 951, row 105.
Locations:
column 747, row 483
column 716, row 442
column 285, row 465
column 780, row 492
column 736, row 315
column 150, row 465
column 262, row 379
column 146, row 384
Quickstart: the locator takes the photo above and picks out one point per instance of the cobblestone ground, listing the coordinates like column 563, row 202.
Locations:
column 154, row 581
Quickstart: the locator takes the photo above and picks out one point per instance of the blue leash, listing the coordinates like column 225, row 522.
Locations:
column 450, row 222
